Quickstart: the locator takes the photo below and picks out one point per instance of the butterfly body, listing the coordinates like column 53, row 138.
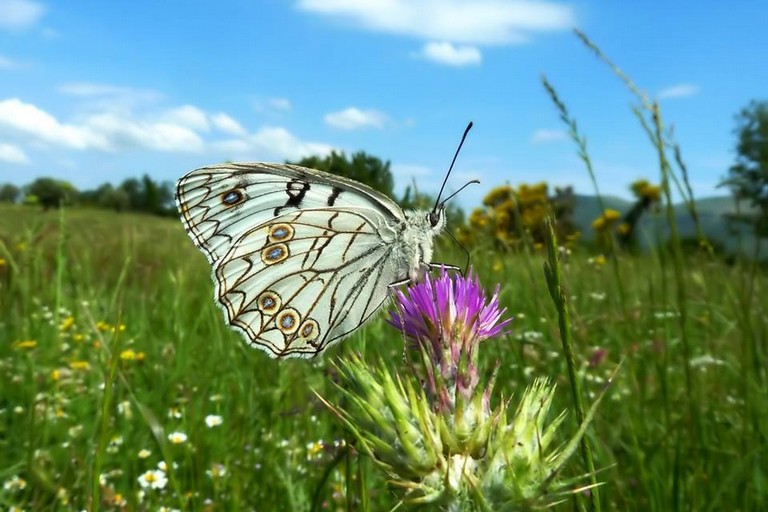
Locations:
column 301, row 258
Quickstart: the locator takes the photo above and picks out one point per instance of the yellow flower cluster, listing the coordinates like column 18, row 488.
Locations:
column 606, row 220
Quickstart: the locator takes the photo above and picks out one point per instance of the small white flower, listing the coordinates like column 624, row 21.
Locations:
column 153, row 479
column 14, row 484
column 144, row 453
column 531, row 336
column 217, row 471
column 174, row 412
column 706, row 360
column 213, row 420
column 177, row 437
column 124, row 409
column 164, row 467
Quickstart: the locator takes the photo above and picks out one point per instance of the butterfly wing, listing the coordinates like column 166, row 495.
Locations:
column 300, row 258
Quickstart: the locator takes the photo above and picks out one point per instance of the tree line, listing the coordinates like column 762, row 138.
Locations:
column 132, row 195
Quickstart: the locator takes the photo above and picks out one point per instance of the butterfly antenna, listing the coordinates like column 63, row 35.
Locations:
column 471, row 182
column 466, row 131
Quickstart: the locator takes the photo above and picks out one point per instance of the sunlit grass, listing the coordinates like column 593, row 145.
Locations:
column 91, row 301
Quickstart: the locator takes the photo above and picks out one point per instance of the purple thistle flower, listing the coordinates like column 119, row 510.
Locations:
column 445, row 319
column 450, row 307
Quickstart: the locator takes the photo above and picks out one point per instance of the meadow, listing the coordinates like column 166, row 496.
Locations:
column 121, row 388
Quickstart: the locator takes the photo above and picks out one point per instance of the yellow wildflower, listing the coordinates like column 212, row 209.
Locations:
column 598, row 224
column 67, row 323
column 2, row 262
column 611, row 215
column 128, row 355
column 623, row 228
column 80, row 365
column 78, row 337
column 598, row 260
column 25, row 344
column 56, row 375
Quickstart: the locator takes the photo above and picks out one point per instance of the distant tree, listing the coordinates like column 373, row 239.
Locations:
column 9, row 193
column 112, row 198
column 748, row 177
column 361, row 167
column 51, row 193
column 132, row 190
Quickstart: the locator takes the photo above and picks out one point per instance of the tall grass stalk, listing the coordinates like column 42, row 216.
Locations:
column 553, row 273
column 581, row 144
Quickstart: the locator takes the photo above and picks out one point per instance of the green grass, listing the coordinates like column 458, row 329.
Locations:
column 70, row 281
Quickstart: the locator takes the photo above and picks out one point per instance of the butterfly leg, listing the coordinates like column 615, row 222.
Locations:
column 401, row 282
column 438, row 266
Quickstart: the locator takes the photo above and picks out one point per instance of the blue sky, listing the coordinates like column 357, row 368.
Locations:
column 95, row 91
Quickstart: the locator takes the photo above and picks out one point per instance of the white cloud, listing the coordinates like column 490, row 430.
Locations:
column 20, row 14
column 27, row 119
column 226, row 124
column 110, row 97
column 280, row 104
column 353, row 118
column 176, row 130
column 544, row 135
column 6, row 63
column 450, row 55
column 104, row 131
column 272, row 104
column 189, row 116
column 126, row 133
column 271, row 143
column 679, row 91
column 12, row 154
column 458, row 21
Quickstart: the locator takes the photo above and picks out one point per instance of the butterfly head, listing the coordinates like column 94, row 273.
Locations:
column 436, row 218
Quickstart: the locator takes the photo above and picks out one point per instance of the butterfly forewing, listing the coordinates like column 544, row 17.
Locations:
column 300, row 258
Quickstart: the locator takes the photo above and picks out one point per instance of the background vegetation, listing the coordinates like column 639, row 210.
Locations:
column 121, row 387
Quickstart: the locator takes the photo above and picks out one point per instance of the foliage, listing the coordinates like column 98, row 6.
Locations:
column 51, row 193
column 9, row 193
column 360, row 166
column 748, row 177
column 512, row 216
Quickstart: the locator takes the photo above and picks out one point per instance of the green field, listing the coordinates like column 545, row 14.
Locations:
column 110, row 343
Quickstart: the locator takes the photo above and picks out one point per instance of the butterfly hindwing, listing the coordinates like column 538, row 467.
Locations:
column 300, row 258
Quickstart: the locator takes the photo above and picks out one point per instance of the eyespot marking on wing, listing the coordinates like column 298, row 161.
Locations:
column 280, row 232
column 309, row 331
column 288, row 321
column 275, row 253
column 232, row 197
column 269, row 302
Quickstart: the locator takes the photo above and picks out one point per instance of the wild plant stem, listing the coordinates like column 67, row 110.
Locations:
column 553, row 274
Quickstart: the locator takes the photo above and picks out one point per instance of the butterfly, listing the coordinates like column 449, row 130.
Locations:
column 301, row 258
